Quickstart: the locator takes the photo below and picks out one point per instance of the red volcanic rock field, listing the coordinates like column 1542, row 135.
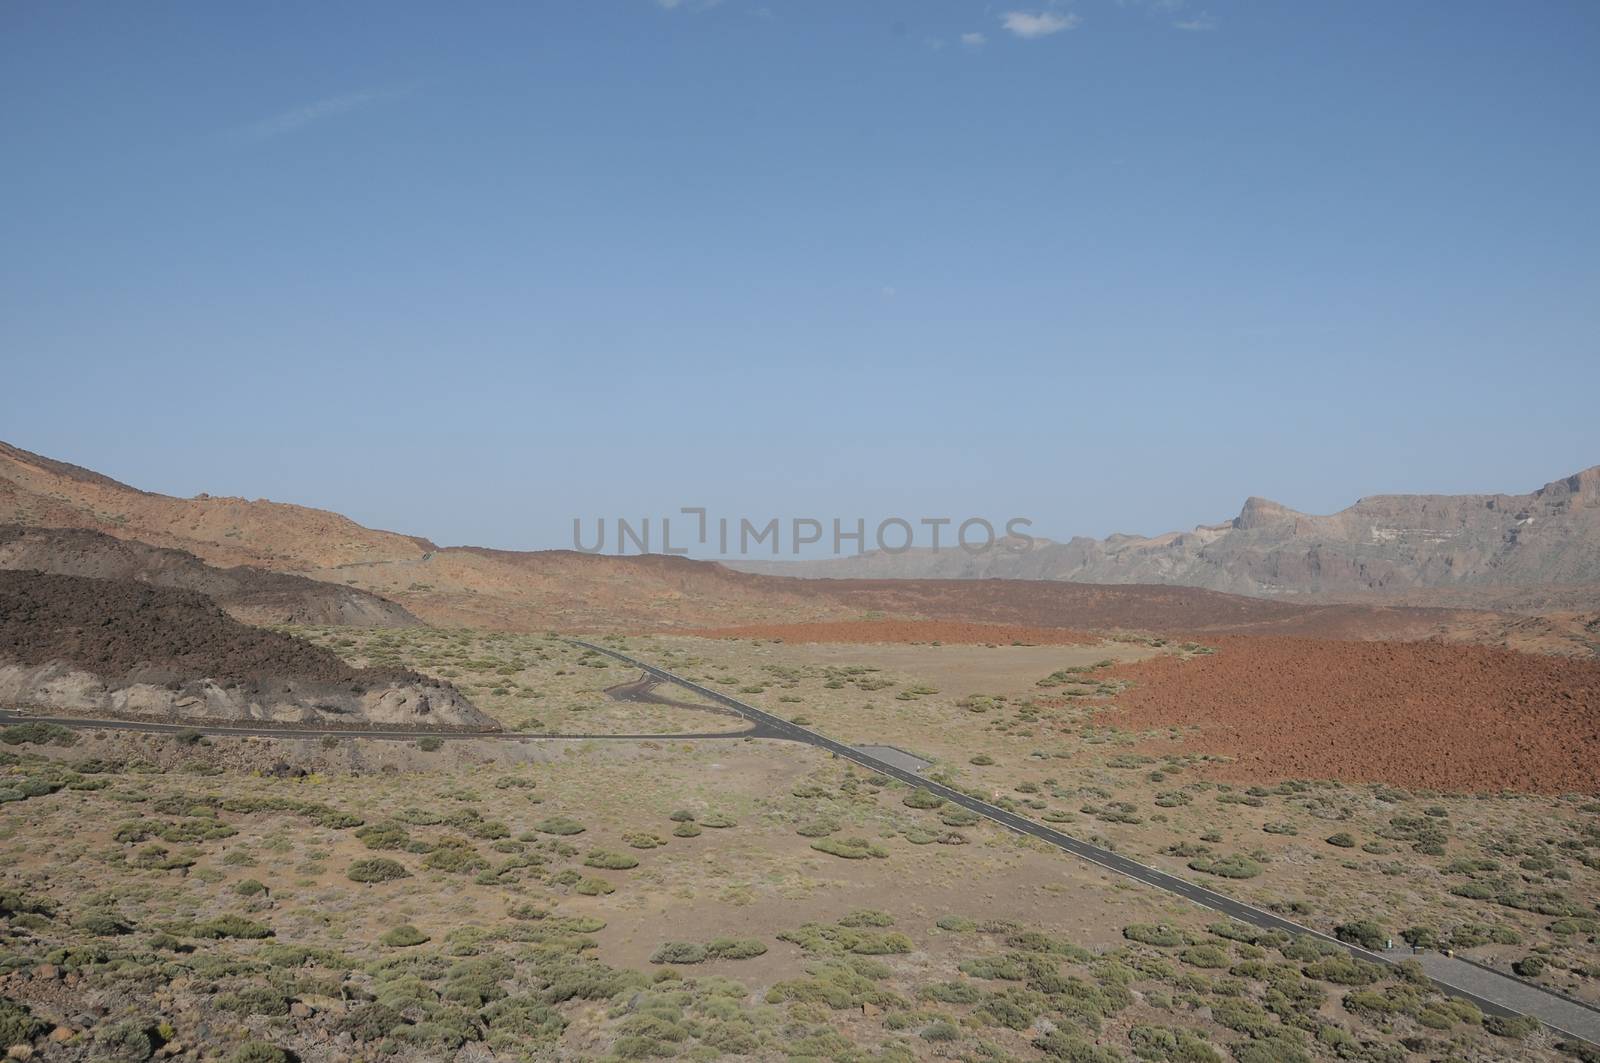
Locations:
column 954, row 632
column 1417, row 714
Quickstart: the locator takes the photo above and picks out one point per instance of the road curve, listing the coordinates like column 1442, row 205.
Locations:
column 1555, row 1011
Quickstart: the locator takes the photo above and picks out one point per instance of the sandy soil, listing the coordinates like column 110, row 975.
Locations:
column 856, row 631
column 956, row 670
column 1419, row 714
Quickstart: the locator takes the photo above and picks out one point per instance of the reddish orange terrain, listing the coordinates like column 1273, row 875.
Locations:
column 954, row 632
column 1417, row 714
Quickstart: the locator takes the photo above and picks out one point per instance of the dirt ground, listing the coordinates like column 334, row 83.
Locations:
column 914, row 631
column 954, row 669
column 1454, row 717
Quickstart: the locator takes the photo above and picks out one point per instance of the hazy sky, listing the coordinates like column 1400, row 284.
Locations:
column 470, row 271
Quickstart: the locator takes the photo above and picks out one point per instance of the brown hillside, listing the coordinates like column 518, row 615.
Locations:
column 509, row 590
column 41, row 492
column 249, row 594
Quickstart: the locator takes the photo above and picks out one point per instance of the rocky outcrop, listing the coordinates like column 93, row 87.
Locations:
column 81, row 646
column 58, row 687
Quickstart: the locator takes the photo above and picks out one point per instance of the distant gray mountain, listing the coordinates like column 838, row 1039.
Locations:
column 1391, row 544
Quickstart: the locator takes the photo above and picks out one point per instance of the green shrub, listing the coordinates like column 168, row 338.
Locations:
column 1232, row 866
column 369, row 1022
column 1342, row 840
column 1161, row 1043
column 384, row 836
column 1363, row 932
column 454, row 854
column 1529, row 966
column 735, row 948
column 1344, row 970
column 255, row 1000
column 230, row 926
column 402, row 937
column 817, row 828
column 17, row 1024
column 679, row 952
column 1515, row 1027
column 865, row 917
column 850, row 848
column 430, row 744
column 920, row 798
column 610, row 861
column 39, row 734
column 123, row 1042
column 1421, row 937
column 260, row 1052
column 1210, row 957
column 102, row 924
column 377, row 869
column 1162, row 936
column 561, row 825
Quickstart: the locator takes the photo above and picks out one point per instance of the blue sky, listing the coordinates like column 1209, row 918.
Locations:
column 472, row 272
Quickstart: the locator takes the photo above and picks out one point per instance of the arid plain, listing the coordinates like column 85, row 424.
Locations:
column 657, row 883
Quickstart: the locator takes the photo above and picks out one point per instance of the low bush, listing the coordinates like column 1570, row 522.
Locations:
column 17, row 1023
column 735, row 948
column 38, row 734
column 610, row 861
column 402, row 937
column 1515, row 1027
column 1529, row 966
column 377, row 869
column 1363, row 932
column 1162, row 936
column 1233, row 866
column 679, row 952
column 850, row 848
column 230, row 926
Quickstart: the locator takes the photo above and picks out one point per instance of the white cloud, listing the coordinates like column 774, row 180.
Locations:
column 1199, row 24
column 974, row 40
column 1028, row 25
column 299, row 117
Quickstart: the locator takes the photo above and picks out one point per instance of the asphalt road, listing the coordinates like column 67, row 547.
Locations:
column 1553, row 1010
